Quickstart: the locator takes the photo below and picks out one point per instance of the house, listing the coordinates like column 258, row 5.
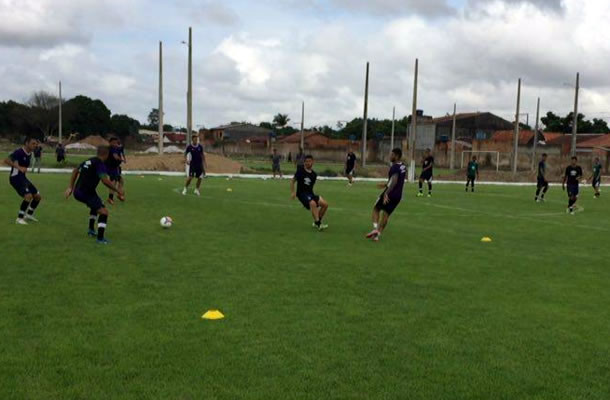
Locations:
column 469, row 126
column 236, row 132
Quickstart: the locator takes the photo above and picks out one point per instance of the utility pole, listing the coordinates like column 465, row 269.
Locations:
column 366, row 111
column 453, row 129
column 412, row 136
column 189, row 100
column 516, row 139
column 303, row 126
column 60, row 115
column 536, row 134
column 393, row 128
column 160, row 98
column 575, row 121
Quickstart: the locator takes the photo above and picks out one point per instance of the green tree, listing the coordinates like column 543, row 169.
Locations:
column 153, row 118
column 87, row 116
column 123, row 126
column 281, row 120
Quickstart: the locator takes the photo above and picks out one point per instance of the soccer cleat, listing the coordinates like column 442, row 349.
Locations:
column 184, row 192
column 372, row 234
column 420, row 194
column 102, row 241
column 376, row 238
column 197, row 192
column 31, row 218
column 429, row 194
column 91, row 233
column 110, row 201
column 322, row 227
column 20, row 221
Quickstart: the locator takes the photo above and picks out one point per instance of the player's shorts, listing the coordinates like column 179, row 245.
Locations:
column 195, row 172
column 61, row 158
column 276, row 168
column 597, row 182
column 114, row 175
column 389, row 207
column 22, row 185
column 471, row 178
column 573, row 190
column 542, row 182
column 92, row 200
column 426, row 176
column 306, row 198
column 349, row 171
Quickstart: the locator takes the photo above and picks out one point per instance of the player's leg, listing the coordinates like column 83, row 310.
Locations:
column 472, row 184
column 467, row 183
column 92, row 218
column 538, row 190
column 545, row 189
column 429, row 186
column 197, row 192
column 315, row 212
column 102, row 221
column 36, row 198
column 421, row 183
column 110, row 192
column 25, row 203
column 323, row 205
column 375, row 218
column 384, row 221
column 187, row 183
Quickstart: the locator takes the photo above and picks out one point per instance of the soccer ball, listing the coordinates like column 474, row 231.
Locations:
column 166, row 222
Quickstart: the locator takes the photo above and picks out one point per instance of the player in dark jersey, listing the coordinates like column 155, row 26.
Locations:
column 60, row 152
column 426, row 173
column 83, row 183
column 390, row 197
column 472, row 173
column 543, row 184
column 113, row 166
column 195, row 160
column 305, row 178
column 572, row 178
column 596, row 177
column 276, row 160
column 350, row 166
column 19, row 161
column 37, row 158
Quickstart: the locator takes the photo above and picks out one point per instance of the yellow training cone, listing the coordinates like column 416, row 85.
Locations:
column 212, row 314
column 486, row 239
column 229, row 190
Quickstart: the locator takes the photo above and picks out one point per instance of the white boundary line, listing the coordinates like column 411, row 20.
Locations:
column 286, row 177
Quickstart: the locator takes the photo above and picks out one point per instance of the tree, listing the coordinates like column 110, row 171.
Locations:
column 153, row 118
column 123, row 126
column 281, row 120
column 87, row 116
column 555, row 123
column 44, row 112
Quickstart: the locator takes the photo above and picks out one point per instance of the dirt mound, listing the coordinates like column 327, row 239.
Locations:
column 175, row 162
column 95, row 141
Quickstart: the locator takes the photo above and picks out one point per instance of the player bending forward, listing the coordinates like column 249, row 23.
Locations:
column 572, row 178
column 473, row 173
column 83, row 183
column 596, row 177
column 305, row 179
column 391, row 196
column 19, row 161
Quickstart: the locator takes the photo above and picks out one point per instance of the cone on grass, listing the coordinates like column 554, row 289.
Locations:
column 212, row 315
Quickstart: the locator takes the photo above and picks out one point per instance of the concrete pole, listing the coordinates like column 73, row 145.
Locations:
column 536, row 135
column 303, row 126
column 453, row 129
column 160, row 98
column 60, row 128
column 393, row 128
column 575, row 121
column 516, row 139
column 412, row 136
column 189, row 101
column 365, row 117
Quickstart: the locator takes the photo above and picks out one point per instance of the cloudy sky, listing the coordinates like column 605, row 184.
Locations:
column 256, row 58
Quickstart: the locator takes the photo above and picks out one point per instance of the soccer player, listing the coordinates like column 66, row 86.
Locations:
column 195, row 159
column 426, row 174
column 19, row 161
column 275, row 164
column 350, row 166
column 305, row 178
column 543, row 184
column 391, row 196
column 572, row 178
column 596, row 177
column 113, row 166
column 472, row 173
column 60, row 151
column 84, row 181
column 37, row 158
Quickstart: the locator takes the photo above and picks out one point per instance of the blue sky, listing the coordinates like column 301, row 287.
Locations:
column 255, row 59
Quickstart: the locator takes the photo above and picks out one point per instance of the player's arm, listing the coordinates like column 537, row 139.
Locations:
column 186, row 160
column 11, row 162
column 73, row 177
column 392, row 182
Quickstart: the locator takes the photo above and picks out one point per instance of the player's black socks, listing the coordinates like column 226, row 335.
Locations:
column 92, row 216
column 429, row 187
column 420, row 187
column 538, row 192
column 318, row 223
column 22, row 208
column 111, row 196
column 33, row 206
column 571, row 203
column 101, row 226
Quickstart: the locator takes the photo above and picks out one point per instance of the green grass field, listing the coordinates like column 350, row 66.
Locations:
column 429, row 312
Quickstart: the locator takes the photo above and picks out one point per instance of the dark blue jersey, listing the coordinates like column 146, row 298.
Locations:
column 305, row 181
column 428, row 162
column 351, row 160
column 22, row 158
column 114, row 159
column 541, row 170
column 573, row 175
column 401, row 170
column 90, row 174
column 473, row 168
column 196, row 153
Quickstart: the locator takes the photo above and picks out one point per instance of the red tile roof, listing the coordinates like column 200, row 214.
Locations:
column 599, row 141
column 508, row 136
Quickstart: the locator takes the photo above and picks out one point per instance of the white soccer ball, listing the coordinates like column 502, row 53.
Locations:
column 166, row 222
